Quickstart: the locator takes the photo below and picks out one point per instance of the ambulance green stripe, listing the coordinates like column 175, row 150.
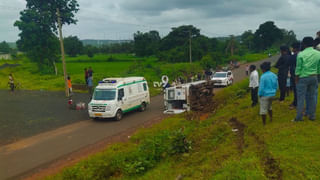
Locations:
column 131, row 109
column 131, row 83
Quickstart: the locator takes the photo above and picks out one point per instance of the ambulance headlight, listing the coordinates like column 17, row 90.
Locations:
column 89, row 107
column 108, row 108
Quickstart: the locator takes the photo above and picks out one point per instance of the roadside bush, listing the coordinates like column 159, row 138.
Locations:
column 180, row 144
column 132, row 161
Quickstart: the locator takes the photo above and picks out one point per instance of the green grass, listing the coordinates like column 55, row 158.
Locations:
column 292, row 149
column 106, row 58
column 254, row 57
column 122, row 65
column 103, row 65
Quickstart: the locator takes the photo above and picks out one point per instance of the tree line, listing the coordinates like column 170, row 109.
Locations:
column 175, row 46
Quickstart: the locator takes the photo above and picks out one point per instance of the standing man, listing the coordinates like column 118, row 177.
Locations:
column 308, row 67
column 267, row 90
column 86, row 75
column 283, row 69
column 208, row 74
column 90, row 72
column 90, row 86
column 254, row 84
column 292, row 69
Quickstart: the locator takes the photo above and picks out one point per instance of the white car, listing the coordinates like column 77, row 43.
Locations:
column 224, row 78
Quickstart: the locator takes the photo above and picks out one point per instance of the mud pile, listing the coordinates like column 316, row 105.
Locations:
column 201, row 96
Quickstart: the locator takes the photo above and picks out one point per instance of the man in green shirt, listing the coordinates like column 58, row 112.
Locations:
column 307, row 69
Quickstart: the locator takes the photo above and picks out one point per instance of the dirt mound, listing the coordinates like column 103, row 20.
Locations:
column 201, row 97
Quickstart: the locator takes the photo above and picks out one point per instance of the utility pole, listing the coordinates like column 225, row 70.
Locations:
column 190, row 50
column 62, row 54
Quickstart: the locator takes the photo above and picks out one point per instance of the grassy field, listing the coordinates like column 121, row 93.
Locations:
column 107, row 58
column 113, row 65
column 120, row 65
column 231, row 143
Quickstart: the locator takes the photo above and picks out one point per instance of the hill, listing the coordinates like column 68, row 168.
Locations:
column 97, row 42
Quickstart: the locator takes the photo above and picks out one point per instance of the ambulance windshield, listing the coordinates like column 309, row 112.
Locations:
column 104, row 94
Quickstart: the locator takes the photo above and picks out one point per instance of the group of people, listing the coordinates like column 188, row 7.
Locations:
column 298, row 69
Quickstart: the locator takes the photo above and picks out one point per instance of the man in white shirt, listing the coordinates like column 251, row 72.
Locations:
column 254, row 84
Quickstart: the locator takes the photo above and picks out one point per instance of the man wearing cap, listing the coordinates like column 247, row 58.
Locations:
column 307, row 69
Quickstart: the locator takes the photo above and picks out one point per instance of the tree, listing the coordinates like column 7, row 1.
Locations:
column 247, row 39
column 90, row 50
column 207, row 62
column 146, row 44
column 266, row 35
column 4, row 48
column 179, row 37
column 73, row 46
column 289, row 37
column 38, row 26
column 175, row 46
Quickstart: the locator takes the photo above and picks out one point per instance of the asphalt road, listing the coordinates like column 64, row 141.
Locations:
column 31, row 153
column 27, row 113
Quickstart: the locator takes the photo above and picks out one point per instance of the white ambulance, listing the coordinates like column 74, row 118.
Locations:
column 115, row 96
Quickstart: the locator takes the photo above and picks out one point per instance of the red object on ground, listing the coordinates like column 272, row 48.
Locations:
column 70, row 101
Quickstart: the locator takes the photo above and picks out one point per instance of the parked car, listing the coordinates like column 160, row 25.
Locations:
column 224, row 78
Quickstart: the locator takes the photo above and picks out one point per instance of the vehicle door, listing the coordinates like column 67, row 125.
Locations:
column 123, row 99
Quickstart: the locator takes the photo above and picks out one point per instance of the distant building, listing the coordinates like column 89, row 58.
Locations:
column 5, row 56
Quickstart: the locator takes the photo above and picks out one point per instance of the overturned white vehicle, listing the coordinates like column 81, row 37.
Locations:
column 189, row 96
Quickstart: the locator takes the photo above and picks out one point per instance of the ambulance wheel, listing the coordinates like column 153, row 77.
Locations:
column 143, row 107
column 118, row 116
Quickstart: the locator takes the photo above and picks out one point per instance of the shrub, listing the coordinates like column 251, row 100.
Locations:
column 179, row 143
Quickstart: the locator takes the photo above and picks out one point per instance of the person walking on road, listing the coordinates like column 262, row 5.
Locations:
column 283, row 68
column 254, row 84
column 247, row 69
column 11, row 82
column 267, row 90
column 69, row 85
column 292, row 69
column 308, row 67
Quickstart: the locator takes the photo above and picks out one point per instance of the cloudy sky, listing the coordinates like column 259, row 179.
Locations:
column 119, row 19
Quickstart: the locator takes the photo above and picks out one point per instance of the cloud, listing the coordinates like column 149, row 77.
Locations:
column 119, row 19
column 212, row 8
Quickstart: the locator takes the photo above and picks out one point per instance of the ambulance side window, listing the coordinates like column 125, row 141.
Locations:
column 120, row 94
column 145, row 87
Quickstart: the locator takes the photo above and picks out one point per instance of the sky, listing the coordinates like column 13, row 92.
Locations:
column 119, row 19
